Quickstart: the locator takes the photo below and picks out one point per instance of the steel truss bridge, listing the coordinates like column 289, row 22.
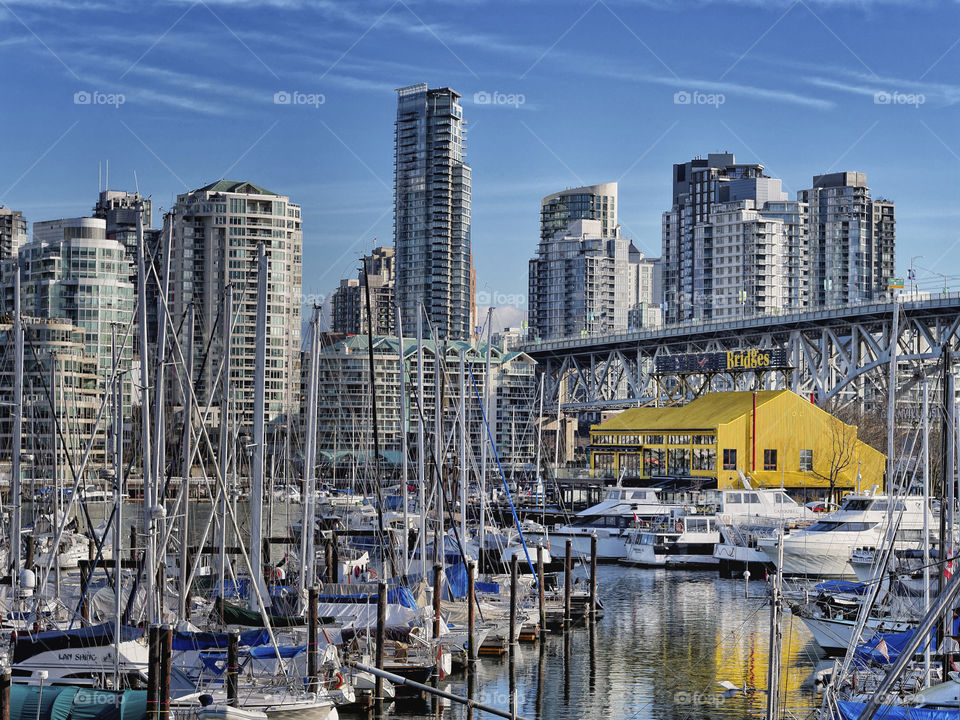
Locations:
column 839, row 354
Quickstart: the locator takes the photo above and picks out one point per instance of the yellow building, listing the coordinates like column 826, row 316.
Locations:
column 775, row 438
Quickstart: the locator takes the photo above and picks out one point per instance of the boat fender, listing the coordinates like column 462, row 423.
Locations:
column 338, row 680
column 356, row 570
column 678, row 527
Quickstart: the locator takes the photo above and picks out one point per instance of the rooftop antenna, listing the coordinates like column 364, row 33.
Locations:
column 99, row 177
column 136, row 183
column 108, row 174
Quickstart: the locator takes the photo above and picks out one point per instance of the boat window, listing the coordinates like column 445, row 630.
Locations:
column 835, row 526
column 697, row 525
column 733, row 498
column 858, row 505
column 751, row 498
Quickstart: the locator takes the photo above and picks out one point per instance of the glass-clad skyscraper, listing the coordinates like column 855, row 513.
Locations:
column 432, row 211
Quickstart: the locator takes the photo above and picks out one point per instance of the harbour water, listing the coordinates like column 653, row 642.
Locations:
column 664, row 641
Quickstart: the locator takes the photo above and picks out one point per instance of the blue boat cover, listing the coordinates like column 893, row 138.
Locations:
column 457, row 580
column 487, row 587
column 395, row 596
column 852, row 710
column 268, row 651
column 216, row 641
column 842, row 586
column 28, row 702
column 896, row 641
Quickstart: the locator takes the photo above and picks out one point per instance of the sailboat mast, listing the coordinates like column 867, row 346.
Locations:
column 483, row 440
column 118, row 497
column 464, row 465
column 225, row 430
column 421, row 463
column 256, row 480
column 16, row 519
column 926, row 529
column 145, row 454
column 308, row 554
column 404, row 442
column 185, row 472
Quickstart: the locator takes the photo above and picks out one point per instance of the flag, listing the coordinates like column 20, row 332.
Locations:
column 882, row 649
column 948, row 570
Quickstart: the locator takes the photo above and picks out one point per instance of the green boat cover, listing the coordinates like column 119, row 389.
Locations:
column 54, row 702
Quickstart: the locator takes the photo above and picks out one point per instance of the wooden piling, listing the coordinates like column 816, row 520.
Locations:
column 233, row 666
column 540, row 590
column 567, row 584
column 471, row 615
column 593, row 577
column 313, row 655
column 437, row 572
column 164, row 653
column 5, row 694
column 381, row 643
column 153, row 671
column 514, row 568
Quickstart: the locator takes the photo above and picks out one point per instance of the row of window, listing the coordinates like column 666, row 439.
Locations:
column 617, row 439
column 678, row 461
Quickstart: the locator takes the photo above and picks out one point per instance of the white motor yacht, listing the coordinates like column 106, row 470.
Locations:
column 824, row 549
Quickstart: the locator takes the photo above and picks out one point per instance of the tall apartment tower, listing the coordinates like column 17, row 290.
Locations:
column 852, row 240
column 579, row 281
column 71, row 270
column 13, row 232
column 217, row 230
column 432, row 211
column 687, row 232
column 349, row 300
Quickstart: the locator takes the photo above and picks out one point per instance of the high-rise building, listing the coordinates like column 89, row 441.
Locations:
column 13, row 232
column 580, row 280
column 688, row 237
column 349, row 300
column 217, row 230
column 644, row 291
column 852, row 240
column 432, row 210
column 71, row 271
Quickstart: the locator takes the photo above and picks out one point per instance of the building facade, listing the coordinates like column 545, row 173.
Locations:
column 645, row 291
column 432, row 190
column 773, row 438
column 345, row 421
column 349, row 301
column 217, row 230
column 852, row 240
column 13, row 232
column 586, row 277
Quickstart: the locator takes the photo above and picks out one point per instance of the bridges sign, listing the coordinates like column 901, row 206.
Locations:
column 731, row 360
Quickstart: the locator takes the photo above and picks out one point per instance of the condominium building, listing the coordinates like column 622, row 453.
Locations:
column 582, row 280
column 345, row 418
column 13, row 232
column 852, row 240
column 349, row 300
column 644, row 291
column 71, row 270
column 217, row 231
column 56, row 366
column 432, row 187
column 688, row 237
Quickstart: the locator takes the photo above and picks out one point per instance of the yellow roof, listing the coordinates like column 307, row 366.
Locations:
column 704, row 413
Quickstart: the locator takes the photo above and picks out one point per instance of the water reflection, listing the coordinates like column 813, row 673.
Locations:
column 665, row 639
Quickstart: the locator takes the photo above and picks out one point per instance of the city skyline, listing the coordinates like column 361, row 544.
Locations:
column 318, row 127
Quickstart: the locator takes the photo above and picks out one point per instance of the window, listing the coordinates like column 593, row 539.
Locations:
column 678, row 439
column 704, row 459
column 730, row 459
column 806, row 460
column 630, row 463
column 603, row 461
column 678, row 461
column 704, row 439
column 769, row 459
column 654, row 440
column 653, row 462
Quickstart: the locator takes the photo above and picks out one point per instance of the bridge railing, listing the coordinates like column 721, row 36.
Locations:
column 930, row 301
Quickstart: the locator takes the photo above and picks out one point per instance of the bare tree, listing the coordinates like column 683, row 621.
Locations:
column 843, row 442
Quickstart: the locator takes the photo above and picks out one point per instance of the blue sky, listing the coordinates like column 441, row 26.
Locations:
column 790, row 84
